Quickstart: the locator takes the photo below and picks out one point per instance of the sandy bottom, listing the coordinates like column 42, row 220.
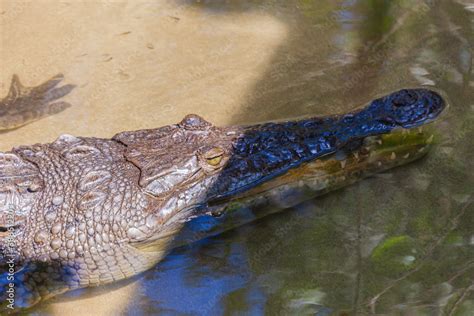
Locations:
column 136, row 65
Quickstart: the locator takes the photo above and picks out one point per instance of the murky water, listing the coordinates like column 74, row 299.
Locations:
column 401, row 243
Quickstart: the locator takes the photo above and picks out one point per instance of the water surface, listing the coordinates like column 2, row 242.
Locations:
column 401, row 243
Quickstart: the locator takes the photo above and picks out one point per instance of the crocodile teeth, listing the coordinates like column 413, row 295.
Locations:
column 356, row 155
column 406, row 156
column 343, row 164
column 430, row 139
column 393, row 156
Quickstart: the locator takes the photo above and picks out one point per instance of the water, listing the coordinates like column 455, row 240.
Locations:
column 400, row 243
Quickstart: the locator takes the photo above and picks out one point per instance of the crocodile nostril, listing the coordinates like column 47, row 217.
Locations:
column 404, row 98
column 398, row 103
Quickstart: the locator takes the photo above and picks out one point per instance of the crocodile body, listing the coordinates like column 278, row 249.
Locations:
column 82, row 212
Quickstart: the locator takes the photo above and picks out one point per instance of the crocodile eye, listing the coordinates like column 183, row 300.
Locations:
column 214, row 161
column 214, row 156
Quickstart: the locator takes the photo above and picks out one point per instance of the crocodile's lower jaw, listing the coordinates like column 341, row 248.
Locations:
column 312, row 179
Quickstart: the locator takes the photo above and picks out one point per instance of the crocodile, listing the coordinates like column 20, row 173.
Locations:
column 83, row 211
column 23, row 105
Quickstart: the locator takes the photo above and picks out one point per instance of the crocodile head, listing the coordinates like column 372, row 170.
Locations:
column 85, row 211
column 194, row 163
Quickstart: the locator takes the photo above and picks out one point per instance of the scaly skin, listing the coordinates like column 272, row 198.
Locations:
column 24, row 105
column 91, row 211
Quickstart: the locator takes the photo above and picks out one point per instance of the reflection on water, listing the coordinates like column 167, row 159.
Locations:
column 400, row 243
